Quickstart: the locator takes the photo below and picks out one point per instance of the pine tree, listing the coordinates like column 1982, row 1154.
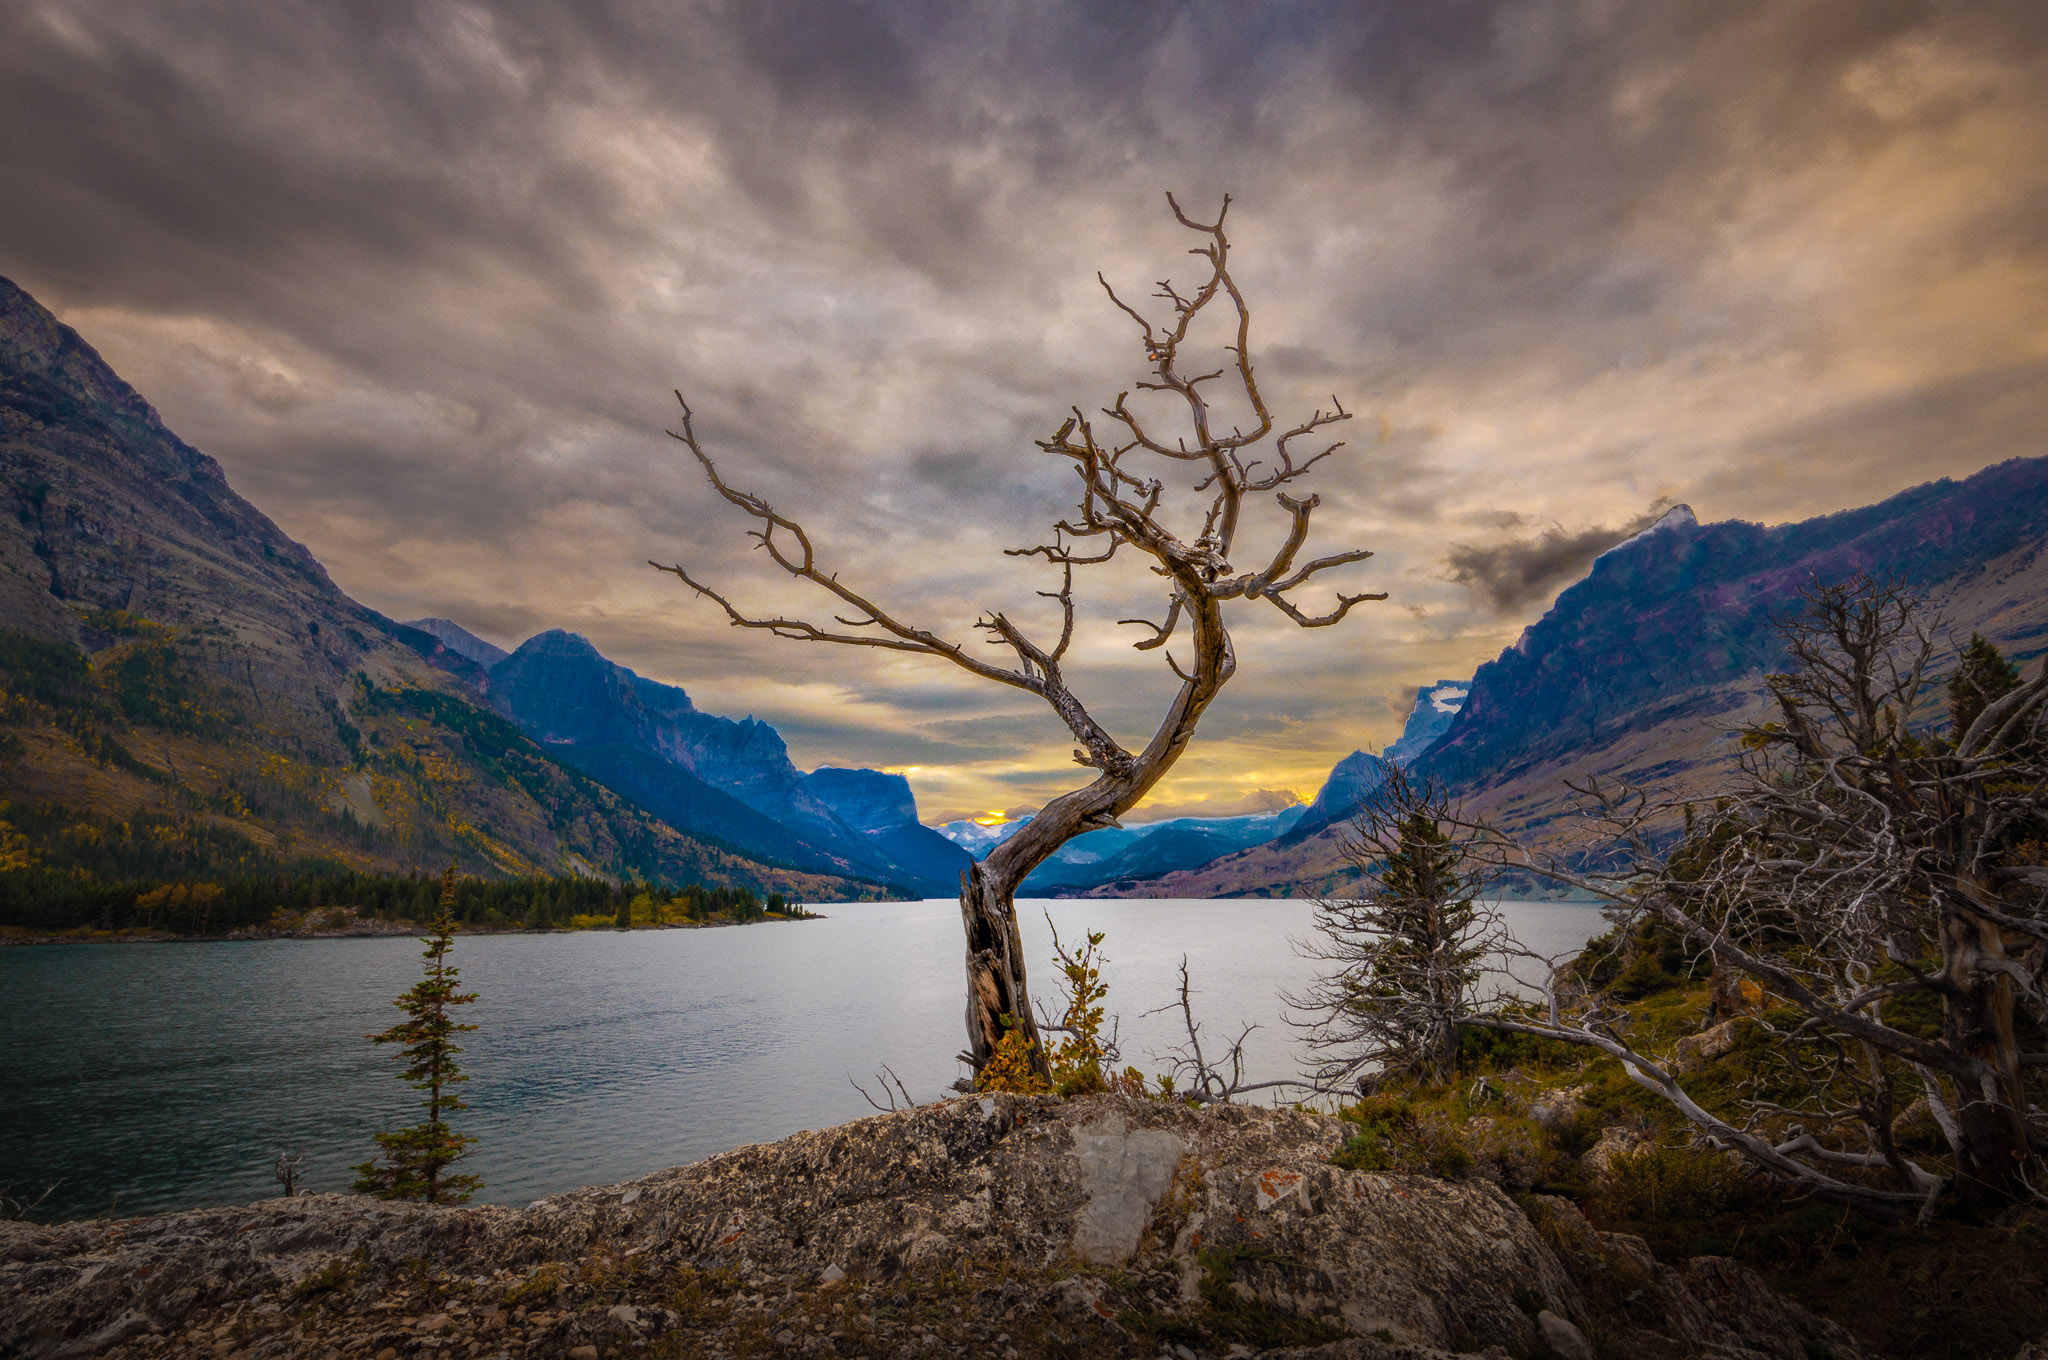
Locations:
column 414, row 1160
column 1983, row 677
column 1425, row 913
column 1407, row 953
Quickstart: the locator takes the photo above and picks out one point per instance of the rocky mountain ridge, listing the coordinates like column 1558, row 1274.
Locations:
column 706, row 774
column 1645, row 669
column 189, row 693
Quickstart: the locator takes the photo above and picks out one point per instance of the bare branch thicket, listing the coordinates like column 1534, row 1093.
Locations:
column 885, row 1077
column 1404, row 958
column 1884, row 885
column 1121, row 462
column 19, row 1209
column 1192, row 1075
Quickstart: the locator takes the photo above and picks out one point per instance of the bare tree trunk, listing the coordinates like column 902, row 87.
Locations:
column 1995, row 1154
column 995, row 969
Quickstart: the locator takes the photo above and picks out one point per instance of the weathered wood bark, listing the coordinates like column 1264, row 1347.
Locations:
column 1996, row 1156
column 996, row 984
column 996, row 992
column 1118, row 508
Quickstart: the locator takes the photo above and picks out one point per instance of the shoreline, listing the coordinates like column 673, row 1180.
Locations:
column 23, row 936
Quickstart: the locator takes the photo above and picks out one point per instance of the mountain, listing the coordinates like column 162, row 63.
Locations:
column 1359, row 775
column 1352, row 780
column 461, row 641
column 1646, row 668
column 882, row 808
column 186, row 692
column 1128, row 855
column 978, row 838
column 1681, row 619
column 1435, row 706
column 707, row 775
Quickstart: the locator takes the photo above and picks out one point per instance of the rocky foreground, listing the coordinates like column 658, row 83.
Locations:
column 986, row 1226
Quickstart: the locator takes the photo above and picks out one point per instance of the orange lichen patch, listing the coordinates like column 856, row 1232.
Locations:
column 1274, row 1186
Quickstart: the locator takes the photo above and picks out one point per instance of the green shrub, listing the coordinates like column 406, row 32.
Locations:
column 1393, row 1135
column 1662, row 1183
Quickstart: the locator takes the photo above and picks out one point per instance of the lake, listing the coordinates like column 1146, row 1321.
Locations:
column 147, row 1077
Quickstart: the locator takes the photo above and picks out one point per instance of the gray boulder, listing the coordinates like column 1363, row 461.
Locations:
column 983, row 1225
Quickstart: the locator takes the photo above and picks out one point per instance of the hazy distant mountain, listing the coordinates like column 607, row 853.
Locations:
column 1352, row 780
column 461, row 641
column 1645, row 669
column 1131, row 854
column 976, row 838
column 193, row 696
column 1359, row 775
column 882, row 808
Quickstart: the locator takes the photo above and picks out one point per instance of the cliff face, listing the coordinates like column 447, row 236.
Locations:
column 1435, row 707
column 980, row 1226
column 882, row 808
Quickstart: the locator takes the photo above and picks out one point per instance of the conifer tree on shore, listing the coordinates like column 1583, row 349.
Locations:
column 415, row 1160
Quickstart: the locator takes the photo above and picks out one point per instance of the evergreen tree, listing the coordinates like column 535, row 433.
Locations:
column 1983, row 677
column 1407, row 952
column 415, row 1159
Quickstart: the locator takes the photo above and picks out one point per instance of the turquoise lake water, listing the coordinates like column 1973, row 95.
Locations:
column 146, row 1077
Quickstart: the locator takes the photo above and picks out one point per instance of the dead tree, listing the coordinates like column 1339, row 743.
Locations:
column 1122, row 504
column 1884, row 884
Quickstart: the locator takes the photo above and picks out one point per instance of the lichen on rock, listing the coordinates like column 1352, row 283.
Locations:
column 1005, row 1225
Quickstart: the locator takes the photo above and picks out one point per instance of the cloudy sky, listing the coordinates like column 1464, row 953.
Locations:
column 422, row 277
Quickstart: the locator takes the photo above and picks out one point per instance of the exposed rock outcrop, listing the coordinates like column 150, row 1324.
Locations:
column 984, row 1225
column 1716, row 1308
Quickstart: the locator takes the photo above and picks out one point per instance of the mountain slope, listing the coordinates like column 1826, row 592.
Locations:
column 882, row 808
column 1645, row 669
column 706, row 774
column 184, row 686
column 1664, row 623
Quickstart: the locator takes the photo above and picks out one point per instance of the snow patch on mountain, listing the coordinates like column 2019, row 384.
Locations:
column 1435, row 706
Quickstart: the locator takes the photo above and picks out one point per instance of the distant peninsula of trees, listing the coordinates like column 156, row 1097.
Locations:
column 325, row 899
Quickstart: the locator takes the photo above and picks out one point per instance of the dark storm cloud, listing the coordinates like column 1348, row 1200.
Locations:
column 423, row 276
column 1508, row 576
